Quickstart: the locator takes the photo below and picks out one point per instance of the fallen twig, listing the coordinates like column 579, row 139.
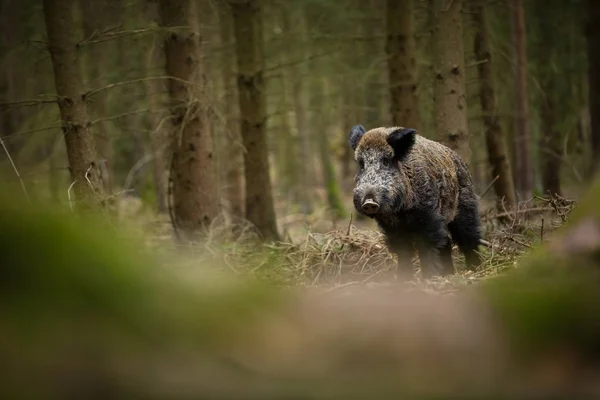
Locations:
column 489, row 186
column 15, row 169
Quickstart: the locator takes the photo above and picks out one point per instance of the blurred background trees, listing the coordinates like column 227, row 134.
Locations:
column 242, row 108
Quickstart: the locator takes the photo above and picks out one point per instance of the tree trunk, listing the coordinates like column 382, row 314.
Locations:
column 93, row 24
column 350, row 118
column 306, row 169
column 400, row 49
column 195, row 197
column 522, row 142
column 286, row 160
column 81, row 152
column 450, row 100
column 248, row 36
column 593, row 44
column 10, row 16
column 154, row 90
column 234, row 148
column 332, row 187
column 157, row 135
column 353, row 97
column 550, row 144
column 549, row 53
column 494, row 136
column 298, row 72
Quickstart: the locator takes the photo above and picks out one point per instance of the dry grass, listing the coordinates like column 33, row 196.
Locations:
column 356, row 256
column 343, row 258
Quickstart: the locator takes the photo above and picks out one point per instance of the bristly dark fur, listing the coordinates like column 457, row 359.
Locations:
column 425, row 194
column 355, row 134
column 402, row 141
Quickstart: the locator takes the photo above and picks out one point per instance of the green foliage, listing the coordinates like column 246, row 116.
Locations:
column 551, row 302
column 78, row 295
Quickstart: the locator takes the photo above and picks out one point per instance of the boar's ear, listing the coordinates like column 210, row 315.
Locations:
column 402, row 141
column 356, row 133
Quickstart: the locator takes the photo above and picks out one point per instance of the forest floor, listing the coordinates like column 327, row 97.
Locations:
column 317, row 252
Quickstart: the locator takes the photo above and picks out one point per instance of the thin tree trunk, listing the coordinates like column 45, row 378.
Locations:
column 93, row 25
column 494, row 136
column 551, row 50
column 306, row 169
column 55, row 174
column 259, row 195
column 332, row 188
column 285, row 155
column 400, row 49
column 450, row 100
column 157, row 135
column 234, row 147
column 550, row 145
column 132, row 125
column 9, row 31
column 593, row 47
column 81, row 152
column 286, row 147
column 195, row 197
column 154, row 89
column 353, row 97
column 296, row 76
column 349, row 116
column 522, row 142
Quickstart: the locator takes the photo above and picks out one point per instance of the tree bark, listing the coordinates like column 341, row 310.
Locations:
column 450, row 100
column 522, row 141
column 494, row 136
column 195, row 197
column 400, row 49
column 550, row 145
column 549, row 53
column 93, row 24
column 234, row 147
column 10, row 16
column 81, row 152
column 157, row 136
column 298, row 71
column 248, row 36
column 332, row 187
column 593, row 47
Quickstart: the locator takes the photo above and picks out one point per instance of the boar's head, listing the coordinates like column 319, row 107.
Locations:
column 380, row 185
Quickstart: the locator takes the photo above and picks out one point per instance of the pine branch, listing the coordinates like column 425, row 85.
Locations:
column 106, row 36
column 123, row 83
column 15, row 169
column 27, row 103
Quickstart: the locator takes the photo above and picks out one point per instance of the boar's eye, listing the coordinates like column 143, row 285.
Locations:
column 361, row 163
column 387, row 161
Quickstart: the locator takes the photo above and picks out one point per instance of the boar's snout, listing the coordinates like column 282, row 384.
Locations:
column 369, row 206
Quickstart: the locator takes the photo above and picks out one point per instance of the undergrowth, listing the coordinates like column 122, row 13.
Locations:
column 352, row 256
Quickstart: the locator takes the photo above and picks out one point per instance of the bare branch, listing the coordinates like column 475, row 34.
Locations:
column 514, row 213
column 475, row 63
column 489, row 186
column 303, row 60
column 15, row 169
column 137, row 166
column 123, row 83
column 47, row 128
column 69, row 194
column 517, row 241
column 106, row 36
column 27, row 103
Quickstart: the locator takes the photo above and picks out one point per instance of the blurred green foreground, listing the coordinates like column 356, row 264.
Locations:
column 87, row 312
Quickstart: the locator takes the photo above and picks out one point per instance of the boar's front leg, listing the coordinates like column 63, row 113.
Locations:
column 402, row 246
column 435, row 247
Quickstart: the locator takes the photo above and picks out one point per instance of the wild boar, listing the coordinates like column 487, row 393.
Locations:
column 420, row 192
